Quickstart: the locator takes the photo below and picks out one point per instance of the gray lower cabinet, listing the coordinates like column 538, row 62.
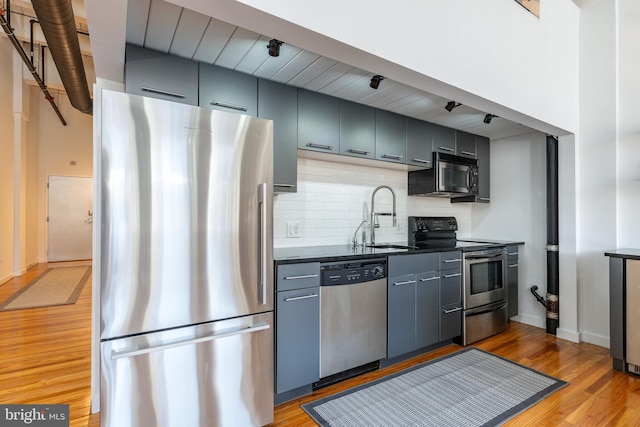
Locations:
column 427, row 308
column 357, row 130
column 465, row 144
column 158, row 75
column 279, row 103
column 318, row 122
column 297, row 326
column 444, row 139
column 401, row 320
column 512, row 280
column 391, row 137
column 419, row 143
column 228, row 90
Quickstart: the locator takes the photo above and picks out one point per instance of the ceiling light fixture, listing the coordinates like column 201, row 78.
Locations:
column 451, row 105
column 274, row 47
column 375, row 81
column 488, row 118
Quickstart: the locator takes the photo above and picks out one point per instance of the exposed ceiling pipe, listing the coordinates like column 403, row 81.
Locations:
column 59, row 28
column 9, row 31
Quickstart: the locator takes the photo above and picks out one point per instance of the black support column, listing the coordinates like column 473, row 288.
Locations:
column 553, row 264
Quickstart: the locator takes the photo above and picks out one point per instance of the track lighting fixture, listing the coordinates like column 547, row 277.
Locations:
column 488, row 118
column 274, row 47
column 375, row 81
column 451, row 105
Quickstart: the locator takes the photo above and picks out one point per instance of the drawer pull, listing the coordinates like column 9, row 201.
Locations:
column 512, row 253
column 408, row 282
column 301, row 297
column 512, row 265
column 448, row 276
column 284, row 185
column 392, row 156
column 320, row 146
column 452, row 310
column 429, row 278
column 305, row 276
column 162, row 92
column 447, row 261
column 230, row 106
column 485, row 199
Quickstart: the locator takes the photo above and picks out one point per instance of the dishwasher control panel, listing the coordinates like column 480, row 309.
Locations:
column 345, row 273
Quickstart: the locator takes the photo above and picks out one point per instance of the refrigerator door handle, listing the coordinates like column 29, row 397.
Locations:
column 262, row 200
column 131, row 353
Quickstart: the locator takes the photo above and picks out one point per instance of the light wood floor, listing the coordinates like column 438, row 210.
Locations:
column 45, row 358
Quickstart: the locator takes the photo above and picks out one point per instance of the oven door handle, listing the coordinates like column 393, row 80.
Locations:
column 484, row 256
column 499, row 305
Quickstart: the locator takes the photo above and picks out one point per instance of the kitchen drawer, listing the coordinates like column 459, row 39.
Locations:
column 450, row 321
column 450, row 287
column 450, row 260
column 411, row 264
column 298, row 276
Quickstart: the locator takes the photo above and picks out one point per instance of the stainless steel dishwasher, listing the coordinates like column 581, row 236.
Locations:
column 353, row 317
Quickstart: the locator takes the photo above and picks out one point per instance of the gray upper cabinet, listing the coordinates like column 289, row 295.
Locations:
column 444, row 139
column 158, row 75
column 484, row 167
column 279, row 103
column 391, row 137
column 318, row 122
column 357, row 130
column 228, row 90
column 465, row 144
column 419, row 143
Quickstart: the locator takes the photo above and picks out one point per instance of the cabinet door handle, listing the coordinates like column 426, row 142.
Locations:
column 354, row 151
column 448, row 261
column 468, row 153
column 162, row 92
column 448, row 276
column 486, row 199
column 512, row 253
column 408, row 282
column 230, row 106
column 301, row 297
column 320, row 146
column 392, row 156
column 512, row 266
column 284, row 185
column 451, row 150
column 452, row 310
column 305, row 276
column 429, row 278
column 421, row 161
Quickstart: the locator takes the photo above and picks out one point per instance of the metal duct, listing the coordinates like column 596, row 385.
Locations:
column 553, row 263
column 58, row 25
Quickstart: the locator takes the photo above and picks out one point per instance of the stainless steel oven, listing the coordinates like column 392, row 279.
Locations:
column 485, row 294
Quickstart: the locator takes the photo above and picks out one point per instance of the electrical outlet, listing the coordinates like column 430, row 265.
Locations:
column 294, row 229
column 400, row 227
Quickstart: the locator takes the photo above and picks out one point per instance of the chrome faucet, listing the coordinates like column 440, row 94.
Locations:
column 354, row 240
column 374, row 214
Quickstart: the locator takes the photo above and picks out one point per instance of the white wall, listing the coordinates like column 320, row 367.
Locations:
column 628, row 108
column 333, row 198
column 492, row 55
column 517, row 212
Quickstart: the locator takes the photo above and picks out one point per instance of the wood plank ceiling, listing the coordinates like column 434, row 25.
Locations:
column 166, row 27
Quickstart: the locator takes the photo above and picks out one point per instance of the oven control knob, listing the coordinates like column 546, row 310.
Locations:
column 377, row 271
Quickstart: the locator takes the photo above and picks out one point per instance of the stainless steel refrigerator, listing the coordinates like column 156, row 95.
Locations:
column 186, row 282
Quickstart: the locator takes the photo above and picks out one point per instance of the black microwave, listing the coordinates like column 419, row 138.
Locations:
column 450, row 176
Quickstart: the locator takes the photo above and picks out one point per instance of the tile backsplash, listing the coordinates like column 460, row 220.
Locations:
column 334, row 198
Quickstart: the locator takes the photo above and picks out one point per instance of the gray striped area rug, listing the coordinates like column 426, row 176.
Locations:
column 468, row 388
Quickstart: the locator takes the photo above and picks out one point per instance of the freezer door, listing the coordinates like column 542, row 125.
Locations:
column 217, row 374
column 186, row 215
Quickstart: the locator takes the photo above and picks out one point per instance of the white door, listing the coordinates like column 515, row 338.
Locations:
column 70, row 218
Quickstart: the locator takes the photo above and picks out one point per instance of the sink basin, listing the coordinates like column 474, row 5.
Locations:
column 390, row 246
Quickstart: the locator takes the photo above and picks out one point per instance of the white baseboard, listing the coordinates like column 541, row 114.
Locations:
column 568, row 335
column 6, row 277
column 598, row 340
column 530, row 320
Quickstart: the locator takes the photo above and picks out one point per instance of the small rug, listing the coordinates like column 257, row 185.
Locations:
column 56, row 286
column 468, row 388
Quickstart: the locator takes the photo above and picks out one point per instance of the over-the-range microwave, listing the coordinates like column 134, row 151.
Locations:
column 450, row 176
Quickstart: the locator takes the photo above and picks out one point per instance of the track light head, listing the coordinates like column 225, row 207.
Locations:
column 488, row 118
column 451, row 105
column 274, row 47
column 375, row 81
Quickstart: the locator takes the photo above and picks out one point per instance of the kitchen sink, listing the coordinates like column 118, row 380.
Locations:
column 390, row 246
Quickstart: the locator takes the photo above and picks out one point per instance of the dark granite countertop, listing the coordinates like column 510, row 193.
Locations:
column 346, row 252
column 627, row 253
